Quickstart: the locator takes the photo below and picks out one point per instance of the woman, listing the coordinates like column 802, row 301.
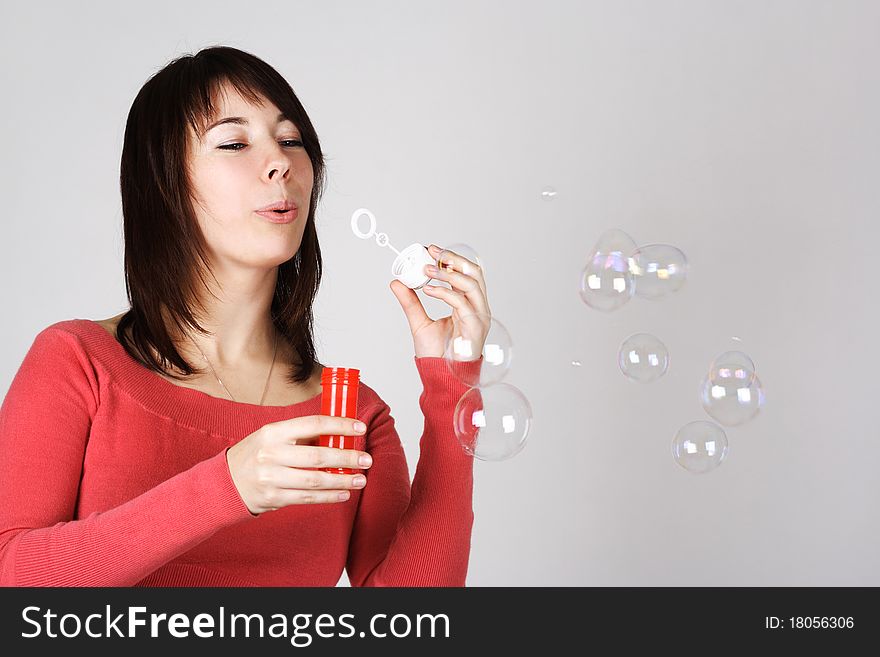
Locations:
column 174, row 444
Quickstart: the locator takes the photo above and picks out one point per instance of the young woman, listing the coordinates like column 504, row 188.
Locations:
column 175, row 444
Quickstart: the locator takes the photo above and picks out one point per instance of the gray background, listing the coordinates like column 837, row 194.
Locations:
column 745, row 133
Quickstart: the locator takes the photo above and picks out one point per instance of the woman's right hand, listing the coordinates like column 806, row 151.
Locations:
column 270, row 466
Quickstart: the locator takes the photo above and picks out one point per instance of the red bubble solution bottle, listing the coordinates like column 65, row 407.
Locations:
column 339, row 394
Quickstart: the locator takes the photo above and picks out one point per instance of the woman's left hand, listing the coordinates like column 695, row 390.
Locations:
column 470, row 317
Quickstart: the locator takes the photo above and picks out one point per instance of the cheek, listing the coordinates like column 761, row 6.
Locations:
column 304, row 172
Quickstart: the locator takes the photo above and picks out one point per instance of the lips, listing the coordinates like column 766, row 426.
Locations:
column 282, row 206
column 280, row 217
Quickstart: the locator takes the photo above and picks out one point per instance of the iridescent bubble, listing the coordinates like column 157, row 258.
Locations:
column 459, row 257
column 700, row 446
column 739, row 361
column 731, row 392
column 658, row 270
column 548, row 193
column 463, row 350
column 492, row 422
column 606, row 282
column 643, row 358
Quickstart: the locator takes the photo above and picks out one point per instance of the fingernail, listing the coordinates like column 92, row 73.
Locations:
column 431, row 269
column 360, row 427
column 359, row 481
column 343, row 495
column 365, row 459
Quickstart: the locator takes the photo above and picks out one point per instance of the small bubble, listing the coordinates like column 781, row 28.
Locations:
column 548, row 193
column 642, row 357
column 576, row 363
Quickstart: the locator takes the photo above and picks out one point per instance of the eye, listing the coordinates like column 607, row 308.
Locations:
column 293, row 143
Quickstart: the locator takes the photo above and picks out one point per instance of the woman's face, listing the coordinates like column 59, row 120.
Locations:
column 238, row 168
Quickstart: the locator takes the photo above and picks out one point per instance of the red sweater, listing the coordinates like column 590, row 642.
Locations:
column 112, row 476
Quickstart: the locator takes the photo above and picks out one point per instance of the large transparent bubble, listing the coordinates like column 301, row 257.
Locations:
column 731, row 392
column 606, row 282
column 658, row 270
column 700, row 446
column 463, row 348
column 492, row 422
column 643, row 358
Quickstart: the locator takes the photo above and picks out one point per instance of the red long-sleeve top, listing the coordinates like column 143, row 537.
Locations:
column 111, row 475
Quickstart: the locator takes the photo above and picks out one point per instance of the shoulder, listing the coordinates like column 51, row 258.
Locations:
column 80, row 343
column 59, row 365
column 68, row 331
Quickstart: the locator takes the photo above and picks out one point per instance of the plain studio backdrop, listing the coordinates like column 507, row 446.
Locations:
column 744, row 133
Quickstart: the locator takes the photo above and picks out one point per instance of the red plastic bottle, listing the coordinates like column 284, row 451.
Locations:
column 339, row 393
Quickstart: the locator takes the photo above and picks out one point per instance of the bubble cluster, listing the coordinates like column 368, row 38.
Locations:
column 617, row 270
column 731, row 393
column 491, row 419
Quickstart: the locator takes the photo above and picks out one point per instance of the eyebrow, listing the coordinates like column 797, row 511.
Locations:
column 239, row 120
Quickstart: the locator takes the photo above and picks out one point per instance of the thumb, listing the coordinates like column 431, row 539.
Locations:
column 412, row 306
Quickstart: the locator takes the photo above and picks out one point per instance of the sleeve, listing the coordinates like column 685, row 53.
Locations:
column 418, row 536
column 45, row 422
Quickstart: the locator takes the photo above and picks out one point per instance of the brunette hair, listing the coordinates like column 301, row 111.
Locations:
column 165, row 252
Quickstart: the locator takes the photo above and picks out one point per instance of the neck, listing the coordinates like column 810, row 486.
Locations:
column 236, row 315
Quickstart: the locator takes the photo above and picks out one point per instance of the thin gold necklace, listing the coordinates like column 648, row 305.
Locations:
column 268, row 378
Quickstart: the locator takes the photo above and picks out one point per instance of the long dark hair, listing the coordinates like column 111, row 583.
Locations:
column 164, row 246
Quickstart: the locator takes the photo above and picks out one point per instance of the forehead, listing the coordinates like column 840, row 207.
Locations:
column 230, row 107
column 228, row 100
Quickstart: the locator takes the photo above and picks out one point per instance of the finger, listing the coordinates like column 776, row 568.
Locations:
column 308, row 456
column 455, row 299
column 450, row 260
column 412, row 306
column 284, row 498
column 294, row 479
column 465, row 284
column 311, row 426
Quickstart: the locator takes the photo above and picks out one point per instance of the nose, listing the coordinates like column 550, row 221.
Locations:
column 278, row 171
column 278, row 167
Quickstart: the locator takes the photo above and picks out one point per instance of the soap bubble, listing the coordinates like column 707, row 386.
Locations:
column 606, row 282
column 462, row 352
column 642, row 357
column 492, row 422
column 740, row 362
column 700, row 446
column 447, row 260
column 731, row 391
column 548, row 193
column 658, row 270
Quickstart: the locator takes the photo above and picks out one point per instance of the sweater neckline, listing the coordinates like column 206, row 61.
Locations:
column 178, row 402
